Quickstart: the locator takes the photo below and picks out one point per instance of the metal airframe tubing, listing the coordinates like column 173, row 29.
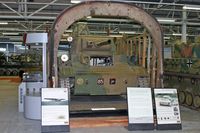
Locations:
column 103, row 8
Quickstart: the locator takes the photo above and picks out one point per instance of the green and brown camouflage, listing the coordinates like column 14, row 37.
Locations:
column 16, row 63
column 102, row 65
column 182, row 71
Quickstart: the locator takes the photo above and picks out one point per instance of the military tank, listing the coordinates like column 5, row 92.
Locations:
column 15, row 64
column 101, row 65
column 182, row 72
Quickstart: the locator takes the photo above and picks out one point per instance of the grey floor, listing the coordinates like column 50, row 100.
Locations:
column 13, row 122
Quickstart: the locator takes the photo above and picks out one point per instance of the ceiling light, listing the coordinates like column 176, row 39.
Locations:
column 109, row 20
column 178, row 34
column 89, row 16
column 166, row 20
column 10, row 33
column 191, row 7
column 63, row 40
column 127, row 32
column 69, row 31
column 3, row 23
column 76, row 1
column 115, row 35
column 2, row 49
column 166, row 37
column 65, row 35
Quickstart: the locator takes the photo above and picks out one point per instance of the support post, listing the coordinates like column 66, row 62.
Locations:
column 184, row 27
column 139, row 50
column 144, row 50
column 149, row 54
column 44, row 64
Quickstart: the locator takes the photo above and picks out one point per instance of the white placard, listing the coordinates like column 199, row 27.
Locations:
column 140, row 107
column 167, row 53
column 37, row 38
column 167, row 106
column 55, row 106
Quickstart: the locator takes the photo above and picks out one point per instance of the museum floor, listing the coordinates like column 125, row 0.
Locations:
column 13, row 122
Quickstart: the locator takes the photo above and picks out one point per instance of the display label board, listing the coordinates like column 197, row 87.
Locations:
column 167, row 109
column 167, row 53
column 140, row 109
column 55, row 110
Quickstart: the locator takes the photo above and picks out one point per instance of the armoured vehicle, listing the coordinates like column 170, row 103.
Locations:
column 182, row 72
column 16, row 64
column 101, row 65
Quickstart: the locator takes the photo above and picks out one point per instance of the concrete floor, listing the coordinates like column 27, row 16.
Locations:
column 13, row 122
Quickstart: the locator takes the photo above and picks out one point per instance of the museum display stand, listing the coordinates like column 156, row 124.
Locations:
column 140, row 109
column 141, row 105
column 32, row 106
column 55, row 110
column 29, row 91
column 167, row 109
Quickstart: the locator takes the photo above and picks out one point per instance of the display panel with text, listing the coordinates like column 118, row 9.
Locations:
column 140, row 108
column 167, row 109
column 55, row 110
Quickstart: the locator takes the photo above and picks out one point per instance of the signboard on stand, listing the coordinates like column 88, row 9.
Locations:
column 140, row 109
column 167, row 109
column 55, row 110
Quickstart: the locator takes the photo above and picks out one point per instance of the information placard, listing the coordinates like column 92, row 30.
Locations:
column 167, row 109
column 55, row 110
column 140, row 108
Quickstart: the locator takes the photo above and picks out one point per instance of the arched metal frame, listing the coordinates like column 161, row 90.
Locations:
column 111, row 8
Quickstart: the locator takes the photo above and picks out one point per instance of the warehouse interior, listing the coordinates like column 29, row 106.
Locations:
column 116, row 51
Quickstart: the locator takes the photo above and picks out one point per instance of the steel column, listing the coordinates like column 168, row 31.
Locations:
column 184, row 27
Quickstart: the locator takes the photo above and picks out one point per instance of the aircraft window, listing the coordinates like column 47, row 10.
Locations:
column 101, row 61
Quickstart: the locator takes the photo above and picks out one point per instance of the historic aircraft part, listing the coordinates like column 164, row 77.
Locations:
column 110, row 9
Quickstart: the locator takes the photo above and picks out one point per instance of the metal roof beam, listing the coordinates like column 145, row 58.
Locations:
column 37, row 3
column 42, row 8
column 11, row 9
column 61, row 4
column 28, row 17
column 39, row 26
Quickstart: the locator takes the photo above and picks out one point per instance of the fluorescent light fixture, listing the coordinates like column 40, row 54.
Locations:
column 2, row 49
column 166, row 20
column 63, row 40
column 3, row 23
column 109, row 20
column 100, row 109
column 10, row 33
column 68, row 31
column 16, row 38
column 191, row 7
column 178, row 34
column 20, row 47
column 76, row 1
column 127, row 32
column 166, row 37
column 115, row 35
column 65, row 35
column 89, row 16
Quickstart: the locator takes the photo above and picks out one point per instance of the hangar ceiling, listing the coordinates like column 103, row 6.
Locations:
column 19, row 16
